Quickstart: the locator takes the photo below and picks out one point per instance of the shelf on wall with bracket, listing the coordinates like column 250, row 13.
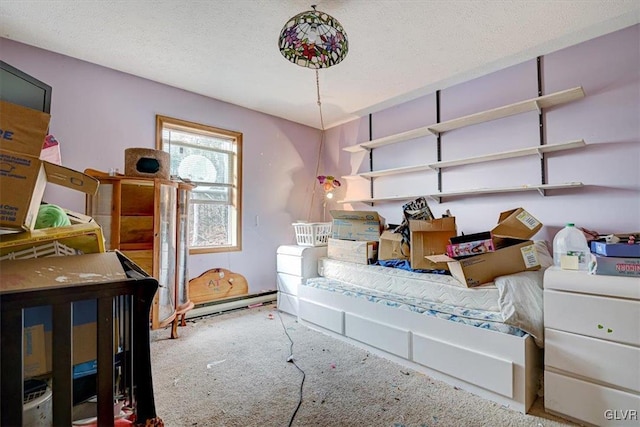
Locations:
column 528, row 151
column 538, row 103
column 439, row 128
column 540, row 188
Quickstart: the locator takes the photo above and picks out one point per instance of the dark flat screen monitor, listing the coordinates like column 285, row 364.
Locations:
column 20, row 88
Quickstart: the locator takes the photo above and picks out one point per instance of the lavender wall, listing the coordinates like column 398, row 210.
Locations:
column 607, row 118
column 96, row 113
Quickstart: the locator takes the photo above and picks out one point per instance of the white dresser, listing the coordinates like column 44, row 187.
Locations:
column 592, row 347
column 295, row 264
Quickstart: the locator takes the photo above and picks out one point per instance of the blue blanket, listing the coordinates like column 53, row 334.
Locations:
column 404, row 264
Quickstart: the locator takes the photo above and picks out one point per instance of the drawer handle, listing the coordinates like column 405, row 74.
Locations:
column 609, row 330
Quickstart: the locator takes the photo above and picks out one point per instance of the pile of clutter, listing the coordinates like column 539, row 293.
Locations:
column 428, row 244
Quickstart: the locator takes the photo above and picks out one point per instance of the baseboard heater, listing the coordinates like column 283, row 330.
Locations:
column 216, row 307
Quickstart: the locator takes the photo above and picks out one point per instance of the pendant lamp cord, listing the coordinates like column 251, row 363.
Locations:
column 313, row 194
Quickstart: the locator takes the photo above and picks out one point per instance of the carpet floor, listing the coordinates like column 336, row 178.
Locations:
column 231, row 369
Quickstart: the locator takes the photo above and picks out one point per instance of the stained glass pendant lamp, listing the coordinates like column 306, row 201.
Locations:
column 313, row 39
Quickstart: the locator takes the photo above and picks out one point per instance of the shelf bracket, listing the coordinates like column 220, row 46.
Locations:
column 538, row 107
column 541, row 128
column 542, row 192
column 371, row 156
column 438, row 143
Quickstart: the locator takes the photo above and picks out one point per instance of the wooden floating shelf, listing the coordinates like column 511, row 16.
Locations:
column 391, row 139
column 539, row 150
column 394, row 171
column 380, row 199
column 533, row 104
column 545, row 101
column 438, row 196
column 539, row 188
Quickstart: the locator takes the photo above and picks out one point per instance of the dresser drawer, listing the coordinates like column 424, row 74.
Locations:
column 288, row 283
column 288, row 303
column 593, row 403
column 603, row 361
column 299, row 261
column 612, row 319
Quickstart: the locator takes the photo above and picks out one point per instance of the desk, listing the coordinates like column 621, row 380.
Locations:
column 134, row 290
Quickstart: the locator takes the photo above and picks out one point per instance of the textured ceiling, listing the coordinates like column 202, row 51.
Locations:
column 227, row 49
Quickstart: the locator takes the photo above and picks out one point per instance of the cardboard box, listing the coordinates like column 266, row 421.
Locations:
column 356, row 225
column 34, row 351
column 69, row 240
column 430, row 237
column 484, row 268
column 23, row 176
column 77, row 217
column 84, row 369
column 470, row 245
column 616, row 249
column 616, row 266
column 359, row 252
column 513, row 251
column 516, row 223
column 85, row 346
column 391, row 246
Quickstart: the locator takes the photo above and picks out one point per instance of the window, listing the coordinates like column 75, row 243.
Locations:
column 211, row 158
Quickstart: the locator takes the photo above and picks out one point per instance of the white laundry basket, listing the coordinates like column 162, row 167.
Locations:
column 312, row 233
column 37, row 409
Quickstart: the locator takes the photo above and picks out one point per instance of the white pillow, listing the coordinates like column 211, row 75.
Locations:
column 544, row 256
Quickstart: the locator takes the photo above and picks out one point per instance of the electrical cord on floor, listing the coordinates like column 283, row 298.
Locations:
column 291, row 360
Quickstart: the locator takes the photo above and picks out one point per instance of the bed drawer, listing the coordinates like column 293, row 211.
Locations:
column 604, row 361
column 612, row 319
column 288, row 283
column 321, row 315
column 288, row 303
column 481, row 369
column 385, row 337
column 593, row 403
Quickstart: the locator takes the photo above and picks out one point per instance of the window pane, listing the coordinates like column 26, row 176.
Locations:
column 210, row 225
column 200, row 165
column 211, row 193
column 206, row 141
column 211, row 158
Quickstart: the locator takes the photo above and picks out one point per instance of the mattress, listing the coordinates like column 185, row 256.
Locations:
column 438, row 288
column 512, row 304
column 478, row 318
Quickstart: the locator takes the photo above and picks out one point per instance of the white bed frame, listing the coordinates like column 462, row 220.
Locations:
column 496, row 366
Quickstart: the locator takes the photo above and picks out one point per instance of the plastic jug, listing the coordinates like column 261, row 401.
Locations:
column 570, row 249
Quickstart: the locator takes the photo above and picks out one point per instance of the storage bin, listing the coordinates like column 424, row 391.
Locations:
column 37, row 409
column 312, row 233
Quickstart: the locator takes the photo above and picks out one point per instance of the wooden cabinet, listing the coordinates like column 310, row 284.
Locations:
column 592, row 347
column 147, row 220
